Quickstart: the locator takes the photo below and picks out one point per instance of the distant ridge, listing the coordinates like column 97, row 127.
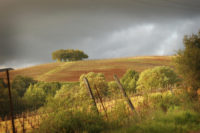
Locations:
column 71, row 71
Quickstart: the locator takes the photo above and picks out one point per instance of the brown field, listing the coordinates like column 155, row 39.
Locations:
column 71, row 71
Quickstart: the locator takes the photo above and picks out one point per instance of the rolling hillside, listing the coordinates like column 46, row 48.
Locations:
column 71, row 71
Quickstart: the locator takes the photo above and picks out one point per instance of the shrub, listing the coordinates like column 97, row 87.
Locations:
column 156, row 78
column 112, row 88
column 164, row 101
column 66, row 97
column 129, row 80
column 35, row 96
column 95, row 79
column 21, row 84
column 49, row 88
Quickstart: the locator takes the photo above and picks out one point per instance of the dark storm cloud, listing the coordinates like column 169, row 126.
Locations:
column 7, row 51
column 31, row 29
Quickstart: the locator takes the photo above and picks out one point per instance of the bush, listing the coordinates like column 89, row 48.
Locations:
column 112, row 88
column 49, row 88
column 156, row 78
column 34, row 97
column 37, row 94
column 95, row 79
column 164, row 101
column 66, row 97
column 21, row 84
column 129, row 80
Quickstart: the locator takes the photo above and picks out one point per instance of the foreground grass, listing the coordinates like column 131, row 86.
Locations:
column 171, row 122
column 174, row 121
column 157, row 113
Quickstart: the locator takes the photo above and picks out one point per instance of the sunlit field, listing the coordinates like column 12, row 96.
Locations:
column 71, row 71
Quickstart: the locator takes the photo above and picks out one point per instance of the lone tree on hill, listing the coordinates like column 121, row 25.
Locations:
column 187, row 61
column 63, row 55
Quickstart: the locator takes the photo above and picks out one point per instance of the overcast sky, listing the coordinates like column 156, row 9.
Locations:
column 30, row 30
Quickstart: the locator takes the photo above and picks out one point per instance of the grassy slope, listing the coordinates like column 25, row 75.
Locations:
column 71, row 71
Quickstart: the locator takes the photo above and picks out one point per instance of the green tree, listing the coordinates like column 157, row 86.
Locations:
column 79, row 55
column 156, row 78
column 59, row 55
column 68, row 55
column 129, row 80
column 187, row 61
column 49, row 88
column 35, row 96
column 112, row 88
column 21, row 83
column 95, row 79
column 66, row 97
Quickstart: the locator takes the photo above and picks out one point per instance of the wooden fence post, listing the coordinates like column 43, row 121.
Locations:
column 125, row 95
column 100, row 98
column 91, row 94
column 11, row 104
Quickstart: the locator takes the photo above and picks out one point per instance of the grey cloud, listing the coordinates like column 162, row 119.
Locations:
column 102, row 28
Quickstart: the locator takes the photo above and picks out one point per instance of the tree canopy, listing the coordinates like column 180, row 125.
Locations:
column 96, row 80
column 129, row 80
column 21, row 84
column 157, row 77
column 187, row 61
column 37, row 94
column 63, row 55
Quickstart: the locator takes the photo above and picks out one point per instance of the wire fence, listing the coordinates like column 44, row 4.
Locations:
column 27, row 118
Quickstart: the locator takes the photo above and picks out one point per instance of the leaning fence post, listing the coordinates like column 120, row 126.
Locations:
column 171, row 90
column 91, row 94
column 125, row 95
column 100, row 98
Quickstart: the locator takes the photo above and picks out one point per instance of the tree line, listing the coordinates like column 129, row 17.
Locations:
column 64, row 55
column 27, row 94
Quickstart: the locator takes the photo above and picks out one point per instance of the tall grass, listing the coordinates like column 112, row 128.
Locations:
column 72, row 122
column 172, row 122
column 158, row 113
